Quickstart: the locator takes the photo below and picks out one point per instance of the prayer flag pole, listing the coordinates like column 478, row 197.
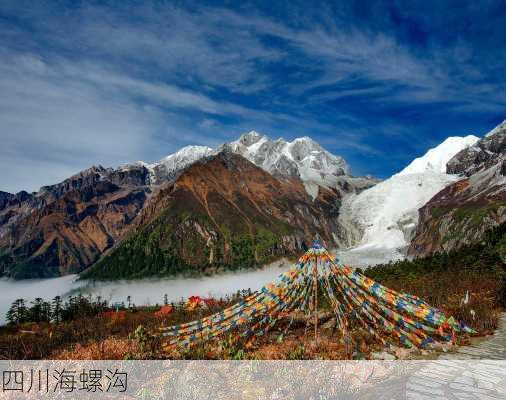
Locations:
column 317, row 245
column 315, row 286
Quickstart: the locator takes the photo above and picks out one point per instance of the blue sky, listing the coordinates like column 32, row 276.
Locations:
column 107, row 83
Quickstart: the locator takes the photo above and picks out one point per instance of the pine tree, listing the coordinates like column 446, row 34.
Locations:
column 69, row 310
column 23, row 315
column 35, row 312
column 11, row 315
column 46, row 311
column 57, row 312
column 18, row 313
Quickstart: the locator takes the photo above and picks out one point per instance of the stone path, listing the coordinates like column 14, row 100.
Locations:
column 492, row 347
column 458, row 379
column 477, row 371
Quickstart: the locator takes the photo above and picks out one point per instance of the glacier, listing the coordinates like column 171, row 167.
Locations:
column 386, row 215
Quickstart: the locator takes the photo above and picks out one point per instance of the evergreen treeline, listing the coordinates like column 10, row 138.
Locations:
column 55, row 311
column 158, row 251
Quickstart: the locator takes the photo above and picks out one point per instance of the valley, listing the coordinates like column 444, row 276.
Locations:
column 219, row 224
column 467, row 284
column 242, row 205
column 191, row 188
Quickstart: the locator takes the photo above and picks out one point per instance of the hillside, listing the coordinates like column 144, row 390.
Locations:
column 469, row 280
column 221, row 212
column 467, row 283
column 461, row 212
column 66, row 227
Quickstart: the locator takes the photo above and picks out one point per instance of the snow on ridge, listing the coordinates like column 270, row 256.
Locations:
column 302, row 157
column 168, row 166
column 189, row 151
column 435, row 159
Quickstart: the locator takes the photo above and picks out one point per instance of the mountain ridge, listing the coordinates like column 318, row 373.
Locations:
column 84, row 220
column 302, row 157
column 68, row 226
column 221, row 212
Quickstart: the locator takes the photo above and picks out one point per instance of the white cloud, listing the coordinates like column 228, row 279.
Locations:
column 53, row 120
column 101, row 85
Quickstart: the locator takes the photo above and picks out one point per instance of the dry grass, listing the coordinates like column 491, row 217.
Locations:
column 118, row 336
column 448, row 293
column 107, row 349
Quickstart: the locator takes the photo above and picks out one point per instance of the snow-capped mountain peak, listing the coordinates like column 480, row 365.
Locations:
column 250, row 138
column 302, row 157
column 187, row 153
column 435, row 159
column 168, row 166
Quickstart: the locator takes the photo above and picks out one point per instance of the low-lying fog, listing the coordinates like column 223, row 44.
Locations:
column 142, row 292
column 152, row 291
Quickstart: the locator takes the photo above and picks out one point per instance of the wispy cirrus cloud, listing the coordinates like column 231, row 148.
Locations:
column 86, row 83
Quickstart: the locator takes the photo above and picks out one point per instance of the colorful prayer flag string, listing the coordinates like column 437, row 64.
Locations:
column 384, row 313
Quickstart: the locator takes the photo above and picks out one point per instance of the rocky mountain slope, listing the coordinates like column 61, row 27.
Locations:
column 463, row 211
column 66, row 227
column 385, row 216
column 221, row 212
